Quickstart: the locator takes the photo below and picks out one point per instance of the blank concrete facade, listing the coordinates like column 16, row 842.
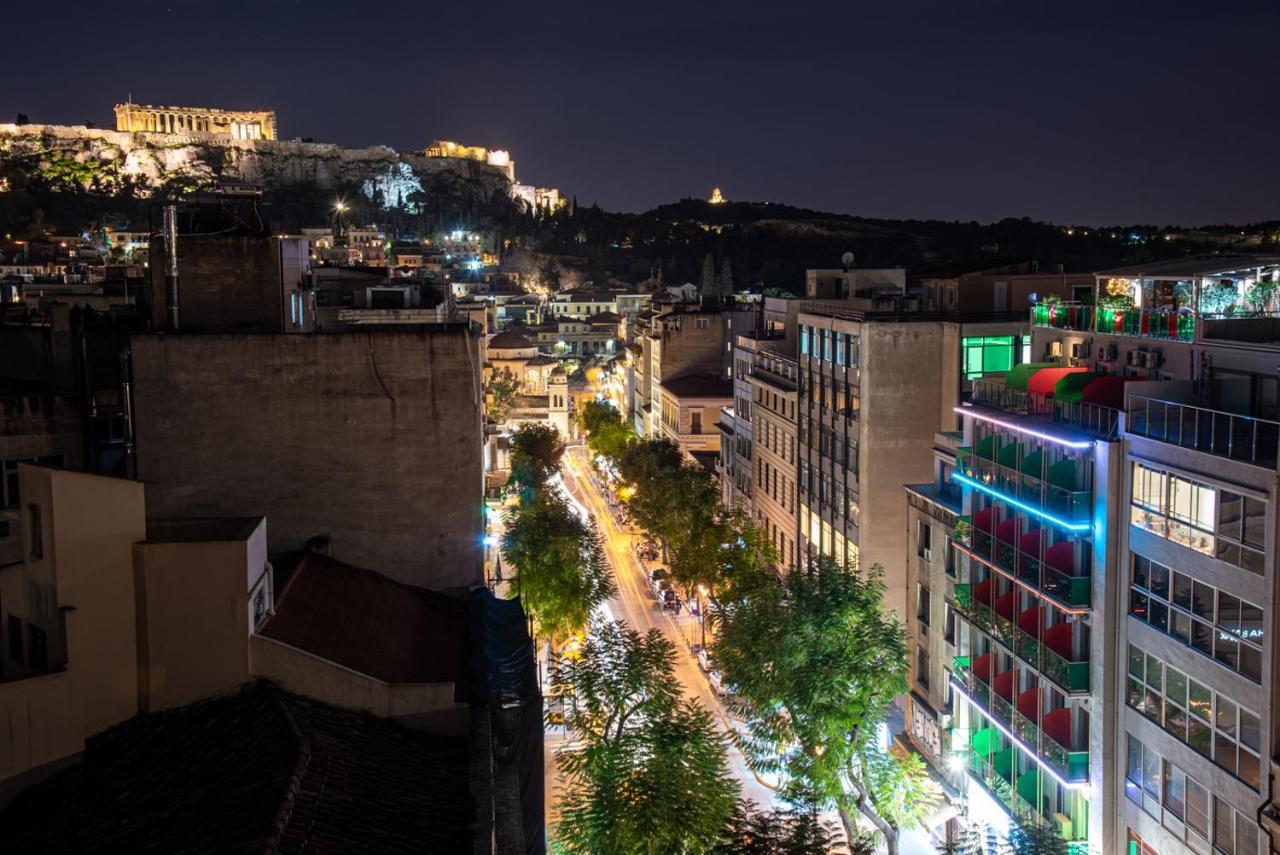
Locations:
column 371, row 440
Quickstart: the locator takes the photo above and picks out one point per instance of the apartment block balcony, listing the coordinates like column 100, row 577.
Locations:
column 1022, row 471
column 1018, row 780
column 1021, row 552
column 1053, row 648
column 1232, row 435
column 1064, row 413
column 1152, row 322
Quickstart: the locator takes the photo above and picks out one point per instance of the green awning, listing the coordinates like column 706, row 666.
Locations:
column 1071, row 387
column 1063, row 474
column 1018, row 375
column 984, row 741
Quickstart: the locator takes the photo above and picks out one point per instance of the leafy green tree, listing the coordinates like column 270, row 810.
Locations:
column 1033, row 839
column 779, row 832
column 816, row 662
column 563, row 574
column 536, row 450
column 647, row 773
column 503, row 386
column 607, row 434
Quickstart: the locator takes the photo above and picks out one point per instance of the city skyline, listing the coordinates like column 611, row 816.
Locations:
column 1086, row 116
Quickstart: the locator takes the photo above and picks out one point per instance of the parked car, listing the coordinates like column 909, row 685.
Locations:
column 670, row 600
column 658, row 581
column 718, row 684
column 706, row 661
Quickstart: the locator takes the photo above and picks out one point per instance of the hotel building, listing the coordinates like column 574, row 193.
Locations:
column 1094, row 568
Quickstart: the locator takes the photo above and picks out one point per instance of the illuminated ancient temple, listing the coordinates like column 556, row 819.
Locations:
column 237, row 124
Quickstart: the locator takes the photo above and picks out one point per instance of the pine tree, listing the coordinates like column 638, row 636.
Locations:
column 726, row 279
column 709, row 285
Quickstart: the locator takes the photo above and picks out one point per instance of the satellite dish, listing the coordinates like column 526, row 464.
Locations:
column 847, row 260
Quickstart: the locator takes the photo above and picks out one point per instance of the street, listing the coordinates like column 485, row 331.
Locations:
column 634, row 605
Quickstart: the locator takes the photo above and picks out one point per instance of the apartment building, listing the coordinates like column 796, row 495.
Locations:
column 772, row 375
column 874, row 389
column 1094, row 560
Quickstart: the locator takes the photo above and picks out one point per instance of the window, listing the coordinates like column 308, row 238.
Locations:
column 702, row 323
column 922, row 604
column 259, row 606
column 37, row 648
column 948, row 624
column 922, row 667
column 1208, row 721
column 1174, row 508
column 1155, row 784
column 1240, row 531
column 36, row 531
column 986, row 354
column 1215, row 623
column 924, row 539
column 1234, row 833
column 15, row 639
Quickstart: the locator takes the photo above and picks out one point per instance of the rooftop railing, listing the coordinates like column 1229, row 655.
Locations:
column 1095, row 419
column 1257, row 328
column 1231, row 435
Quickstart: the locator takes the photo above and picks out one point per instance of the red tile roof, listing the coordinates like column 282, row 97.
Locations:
column 369, row 623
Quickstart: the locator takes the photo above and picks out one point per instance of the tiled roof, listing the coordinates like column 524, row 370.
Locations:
column 509, row 340
column 261, row 771
column 371, row 624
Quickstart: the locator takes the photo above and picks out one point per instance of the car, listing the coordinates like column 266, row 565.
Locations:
column 717, row 683
column 670, row 600
column 706, row 661
column 658, row 581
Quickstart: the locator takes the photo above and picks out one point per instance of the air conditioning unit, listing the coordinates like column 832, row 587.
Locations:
column 927, row 553
column 1111, row 353
column 1079, row 351
column 1135, row 358
column 1154, row 359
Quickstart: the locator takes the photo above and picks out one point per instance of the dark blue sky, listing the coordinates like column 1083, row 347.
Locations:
column 1082, row 112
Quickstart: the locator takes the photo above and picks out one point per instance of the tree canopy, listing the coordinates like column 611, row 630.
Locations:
column 536, row 450
column 816, row 663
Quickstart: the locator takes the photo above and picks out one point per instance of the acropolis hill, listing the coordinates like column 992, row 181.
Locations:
column 197, row 147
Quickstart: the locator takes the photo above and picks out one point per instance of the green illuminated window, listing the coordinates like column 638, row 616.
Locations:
column 984, row 354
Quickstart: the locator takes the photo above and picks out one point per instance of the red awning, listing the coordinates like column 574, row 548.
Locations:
column 1029, row 704
column 1107, row 391
column 1058, row 639
column 1003, row 684
column 1044, row 380
column 1057, row 723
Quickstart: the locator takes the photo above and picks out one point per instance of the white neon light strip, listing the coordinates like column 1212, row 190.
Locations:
column 1044, row 515
column 1031, row 752
column 983, row 417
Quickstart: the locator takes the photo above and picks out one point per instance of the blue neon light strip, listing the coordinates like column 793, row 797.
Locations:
column 1031, row 752
column 1022, row 506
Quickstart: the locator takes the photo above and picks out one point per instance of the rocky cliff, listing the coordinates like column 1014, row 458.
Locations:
column 94, row 160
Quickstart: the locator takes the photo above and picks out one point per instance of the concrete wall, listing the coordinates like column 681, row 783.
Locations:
column 85, row 576
column 908, row 384
column 193, row 619
column 428, row 706
column 228, row 284
column 373, row 439
column 36, row 426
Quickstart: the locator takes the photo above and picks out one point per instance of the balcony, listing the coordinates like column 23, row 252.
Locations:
column 1231, row 435
column 1257, row 328
column 1023, row 476
column 1160, row 323
column 1059, row 571
column 1094, row 419
column 1046, row 649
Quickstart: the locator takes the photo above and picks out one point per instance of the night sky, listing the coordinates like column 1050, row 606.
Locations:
column 1073, row 112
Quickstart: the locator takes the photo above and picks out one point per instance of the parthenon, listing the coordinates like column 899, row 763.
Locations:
column 237, row 124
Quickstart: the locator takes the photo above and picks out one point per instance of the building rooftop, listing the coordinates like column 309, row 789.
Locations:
column 201, row 529
column 698, row 386
column 260, row 771
column 369, row 623
column 1198, row 265
column 604, row 318
column 509, row 340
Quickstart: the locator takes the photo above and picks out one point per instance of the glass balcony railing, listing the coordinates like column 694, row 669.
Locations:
column 1093, row 418
column 1074, row 505
column 1071, row 677
column 1238, row 437
column 1071, row 765
column 1071, row 590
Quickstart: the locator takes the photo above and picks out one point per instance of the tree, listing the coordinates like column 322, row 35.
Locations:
column 779, row 832
column 816, row 663
column 726, row 278
column 563, row 574
column 536, row 450
column 648, row 772
column 709, row 285
column 1034, row 839
column 503, row 386
column 607, row 434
